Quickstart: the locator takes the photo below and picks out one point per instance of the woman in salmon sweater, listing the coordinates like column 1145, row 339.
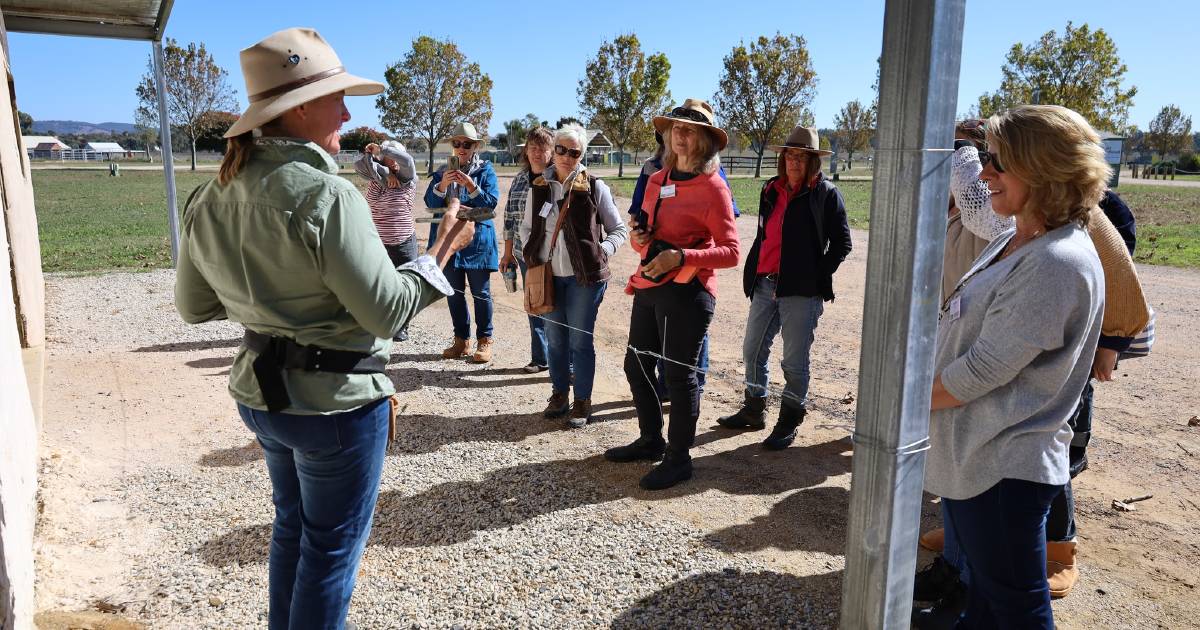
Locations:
column 686, row 232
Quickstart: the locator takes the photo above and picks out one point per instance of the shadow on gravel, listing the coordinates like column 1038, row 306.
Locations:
column 188, row 346
column 244, row 545
column 812, row 519
column 211, row 362
column 408, row 379
column 236, row 456
column 735, row 599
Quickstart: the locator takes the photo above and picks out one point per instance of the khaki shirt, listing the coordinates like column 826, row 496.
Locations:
column 287, row 248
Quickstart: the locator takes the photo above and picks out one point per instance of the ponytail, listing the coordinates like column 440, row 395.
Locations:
column 237, row 153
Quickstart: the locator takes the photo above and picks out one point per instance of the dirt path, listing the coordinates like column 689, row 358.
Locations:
column 155, row 502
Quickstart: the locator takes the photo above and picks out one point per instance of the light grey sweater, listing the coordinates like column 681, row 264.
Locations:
column 1015, row 343
column 615, row 230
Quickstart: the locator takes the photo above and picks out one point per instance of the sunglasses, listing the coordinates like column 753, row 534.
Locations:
column 974, row 123
column 561, row 150
column 987, row 157
column 684, row 113
column 462, row 144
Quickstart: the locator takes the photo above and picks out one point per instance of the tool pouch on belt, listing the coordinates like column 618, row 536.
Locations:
column 276, row 354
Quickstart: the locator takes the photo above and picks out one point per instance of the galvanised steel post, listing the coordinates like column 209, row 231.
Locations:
column 168, row 158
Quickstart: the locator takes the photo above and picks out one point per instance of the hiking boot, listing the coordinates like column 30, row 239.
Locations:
column 784, row 432
column 752, row 416
column 935, row 581
column 676, row 466
column 945, row 613
column 457, row 350
column 1061, row 571
column 557, row 405
column 534, row 368
column 581, row 413
column 642, row 449
column 483, row 351
column 934, row 540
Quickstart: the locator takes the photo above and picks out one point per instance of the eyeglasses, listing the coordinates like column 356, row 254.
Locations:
column 987, row 157
column 462, row 144
column 684, row 113
column 561, row 150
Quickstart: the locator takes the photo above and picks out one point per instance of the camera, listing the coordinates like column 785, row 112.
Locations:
column 656, row 247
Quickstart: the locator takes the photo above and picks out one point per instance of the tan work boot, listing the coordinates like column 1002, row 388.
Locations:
column 457, row 350
column 483, row 351
column 1061, row 572
column 934, row 540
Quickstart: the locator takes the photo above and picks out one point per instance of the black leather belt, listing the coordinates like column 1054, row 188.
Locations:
column 276, row 354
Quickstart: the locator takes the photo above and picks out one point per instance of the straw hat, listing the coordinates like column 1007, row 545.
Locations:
column 803, row 138
column 696, row 112
column 290, row 68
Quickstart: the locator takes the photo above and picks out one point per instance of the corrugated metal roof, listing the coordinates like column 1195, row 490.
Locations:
column 105, row 147
column 118, row 19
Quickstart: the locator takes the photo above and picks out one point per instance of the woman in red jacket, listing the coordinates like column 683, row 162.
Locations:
column 686, row 232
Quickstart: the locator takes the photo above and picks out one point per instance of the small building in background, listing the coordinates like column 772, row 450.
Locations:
column 45, row 147
column 106, row 151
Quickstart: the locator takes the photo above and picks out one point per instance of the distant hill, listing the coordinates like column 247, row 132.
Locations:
column 77, row 127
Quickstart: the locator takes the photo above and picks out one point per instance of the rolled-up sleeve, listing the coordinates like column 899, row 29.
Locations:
column 355, row 266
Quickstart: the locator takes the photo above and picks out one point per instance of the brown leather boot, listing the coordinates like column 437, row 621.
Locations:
column 557, row 405
column 483, row 351
column 1061, row 572
column 457, row 350
column 934, row 540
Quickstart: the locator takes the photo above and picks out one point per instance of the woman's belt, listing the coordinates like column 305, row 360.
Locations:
column 276, row 354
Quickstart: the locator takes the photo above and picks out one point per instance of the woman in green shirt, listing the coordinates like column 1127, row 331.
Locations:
column 285, row 246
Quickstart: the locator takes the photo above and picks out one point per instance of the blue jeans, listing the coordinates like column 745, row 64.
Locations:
column 950, row 552
column 324, row 482
column 481, row 292
column 1002, row 536
column 537, row 328
column 796, row 316
column 576, row 306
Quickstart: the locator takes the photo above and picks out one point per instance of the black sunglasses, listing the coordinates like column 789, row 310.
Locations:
column 561, row 150
column 987, row 157
column 684, row 113
column 462, row 144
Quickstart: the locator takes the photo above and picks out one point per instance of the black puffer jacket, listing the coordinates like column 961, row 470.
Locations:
column 811, row 252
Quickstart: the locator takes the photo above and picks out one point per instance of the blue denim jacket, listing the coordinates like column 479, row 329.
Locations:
column 482, row 252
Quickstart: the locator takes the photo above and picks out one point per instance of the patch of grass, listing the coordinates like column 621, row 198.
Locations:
column 89, row 221
column 1168, row 223
column 857, row 195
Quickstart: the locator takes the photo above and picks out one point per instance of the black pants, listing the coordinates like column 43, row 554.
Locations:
column 670, row 320
column 1060, row 523
column 404, row 252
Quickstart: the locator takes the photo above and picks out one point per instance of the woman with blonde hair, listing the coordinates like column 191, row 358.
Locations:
column 1014, row 348
column 687, row 234
column 283, row 245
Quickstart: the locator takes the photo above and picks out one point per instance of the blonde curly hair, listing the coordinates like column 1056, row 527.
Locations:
column 1057, row 154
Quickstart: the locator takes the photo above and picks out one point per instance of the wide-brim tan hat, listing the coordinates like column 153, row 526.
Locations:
column 290, row 68
column 803, row 138
column 466, row 130
column 696, row 112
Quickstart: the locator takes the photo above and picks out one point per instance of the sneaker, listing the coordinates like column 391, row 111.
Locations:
column 483, row 351
column 642, row 449
column 676, row 467
column 457, row 350
column 935, row 581
column 944, row 614
column 557, row 405
column 581, row 413
column 534, row 368
column 400, row 336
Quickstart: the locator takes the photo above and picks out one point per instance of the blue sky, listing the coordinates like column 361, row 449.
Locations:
column 535, row 53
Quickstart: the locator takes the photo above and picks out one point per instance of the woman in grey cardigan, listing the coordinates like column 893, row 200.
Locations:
column 1014, row 347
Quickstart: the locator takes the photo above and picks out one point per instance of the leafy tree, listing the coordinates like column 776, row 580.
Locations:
column 26, row 122
column 195, row 84
column 215, row 127
column 358, row 138
column 855, row 125
column 514, row 134
column 1079, row 69
column 1170, row 132
column 566, row 120
column 765, row 89
column 433, row 89
column 621, row 88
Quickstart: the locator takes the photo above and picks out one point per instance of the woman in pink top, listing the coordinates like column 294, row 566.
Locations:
column 686, row 234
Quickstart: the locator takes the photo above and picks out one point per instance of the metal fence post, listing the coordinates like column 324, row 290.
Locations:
column 922, row 46
column 168, row 159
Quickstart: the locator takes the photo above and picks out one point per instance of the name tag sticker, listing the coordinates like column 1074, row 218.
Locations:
column 955, row 308
column 666, row 192
column 546, row 208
